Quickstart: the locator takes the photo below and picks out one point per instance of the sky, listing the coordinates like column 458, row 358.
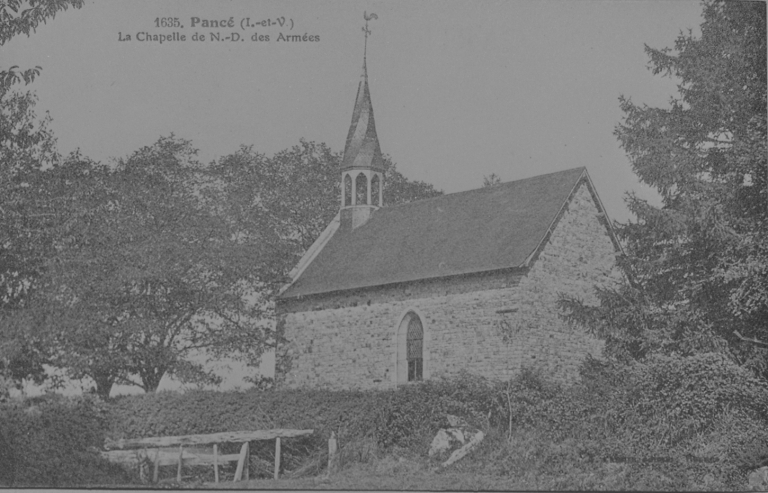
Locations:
column 460, row 89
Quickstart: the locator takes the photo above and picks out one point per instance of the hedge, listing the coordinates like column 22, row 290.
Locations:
column 52, row 441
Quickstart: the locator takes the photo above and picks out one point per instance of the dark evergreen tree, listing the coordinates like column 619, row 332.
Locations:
column 697, row 265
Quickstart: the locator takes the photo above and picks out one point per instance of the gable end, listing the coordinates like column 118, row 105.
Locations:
column 602, row 217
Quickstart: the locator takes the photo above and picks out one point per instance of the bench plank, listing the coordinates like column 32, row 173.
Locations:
column 184, row 440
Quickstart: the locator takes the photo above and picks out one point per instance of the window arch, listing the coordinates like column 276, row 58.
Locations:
column 361, row 189
column 415, row 349
column 347, row 190
column 376, row 191
column 411, row 355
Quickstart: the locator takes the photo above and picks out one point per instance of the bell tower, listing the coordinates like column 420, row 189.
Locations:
column 362, row 168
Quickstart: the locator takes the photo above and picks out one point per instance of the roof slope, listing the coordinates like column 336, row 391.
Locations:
column 362, row 147
column 473, row 231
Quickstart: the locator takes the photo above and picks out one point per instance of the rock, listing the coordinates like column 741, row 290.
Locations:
column 758, row 479
column 458, row 434
column 458, row 454
column 455, row 441
column 456, row 422
column 446, row 440
column 709, row 478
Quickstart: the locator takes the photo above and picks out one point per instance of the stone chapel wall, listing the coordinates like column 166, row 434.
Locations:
column 350, row 340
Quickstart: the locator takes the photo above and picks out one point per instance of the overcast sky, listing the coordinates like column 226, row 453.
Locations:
column 460, row 89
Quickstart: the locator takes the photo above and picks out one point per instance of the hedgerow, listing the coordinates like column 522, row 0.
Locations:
column 54, row 441
column 406, row 417
column 666, row 423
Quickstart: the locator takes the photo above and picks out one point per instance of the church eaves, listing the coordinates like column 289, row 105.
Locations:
column 362, row 149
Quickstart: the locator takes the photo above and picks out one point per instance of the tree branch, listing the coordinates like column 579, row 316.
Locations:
column 752, row 341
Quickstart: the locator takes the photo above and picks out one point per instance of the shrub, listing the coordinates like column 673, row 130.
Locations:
column 365, row 422
column 50, row 440
column 667, row 423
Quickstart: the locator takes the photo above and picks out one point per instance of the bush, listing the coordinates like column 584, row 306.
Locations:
column 52, row 441
column 697, row 388
column 363, row 421
column 668, row 423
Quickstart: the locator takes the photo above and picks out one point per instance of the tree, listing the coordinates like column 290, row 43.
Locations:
column 23, row 17
column 148, row 272
column 26, row 146
column 298, row 191
column 160, row 256
column 697, row 265
column 491, row 180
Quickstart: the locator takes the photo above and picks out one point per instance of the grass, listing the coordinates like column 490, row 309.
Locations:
column 525, row 461
column 623, row 428
column 387, row 473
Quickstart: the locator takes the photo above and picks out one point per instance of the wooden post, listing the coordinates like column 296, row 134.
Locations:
column 241, row 463
column 157, row 466
column 247, row 466
column 216, row 462
column 332, row 447
column 142, row 459
column 181, row 458
column 277, row 457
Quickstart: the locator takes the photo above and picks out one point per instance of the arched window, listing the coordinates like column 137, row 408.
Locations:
column 414, row 349
column 412, row 355
column 361, row 186
column 347, row 190
column 375, row 191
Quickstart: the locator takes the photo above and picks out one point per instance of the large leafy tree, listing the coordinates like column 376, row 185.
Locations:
column 26, row 147
column 148, row 272
column 697, row 265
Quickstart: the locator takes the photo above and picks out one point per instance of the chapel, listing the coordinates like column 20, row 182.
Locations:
column 468, row 281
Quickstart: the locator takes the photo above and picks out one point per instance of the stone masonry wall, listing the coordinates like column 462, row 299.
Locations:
column 337, row 344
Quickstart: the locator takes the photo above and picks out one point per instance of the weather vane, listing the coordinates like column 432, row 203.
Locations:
column 367, row 31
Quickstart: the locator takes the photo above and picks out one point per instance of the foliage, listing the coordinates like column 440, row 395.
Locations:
column 290, row 198
column 669, row 423
column 696, row 266
column 146, row 272
column 49, row 441
column 23, row 17
column 298, row 191
column 26, row 147
column 491, row 180
column 120, row 273
column 364, row 422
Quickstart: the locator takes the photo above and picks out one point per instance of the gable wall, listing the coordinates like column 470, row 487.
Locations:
column 349, row 340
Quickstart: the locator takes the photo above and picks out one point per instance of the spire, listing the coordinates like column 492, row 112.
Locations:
column 362, row 149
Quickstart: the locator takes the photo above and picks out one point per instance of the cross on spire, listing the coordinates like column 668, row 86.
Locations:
column 367, row 31
column 362, row 151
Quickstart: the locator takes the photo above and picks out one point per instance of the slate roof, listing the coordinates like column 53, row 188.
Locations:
column 474, row 231
column 362, row 147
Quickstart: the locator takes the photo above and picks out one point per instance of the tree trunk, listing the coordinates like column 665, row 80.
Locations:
column 104, row 382
column 150, row 379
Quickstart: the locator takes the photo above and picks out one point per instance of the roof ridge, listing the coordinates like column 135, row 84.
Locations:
column 502, row 184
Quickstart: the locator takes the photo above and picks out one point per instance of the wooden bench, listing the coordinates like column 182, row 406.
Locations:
column 135, row 451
